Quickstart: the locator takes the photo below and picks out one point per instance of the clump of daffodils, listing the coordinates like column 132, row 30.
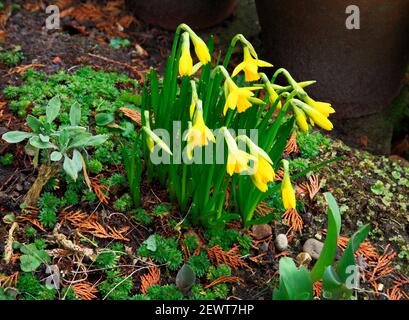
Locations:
column 216, row 99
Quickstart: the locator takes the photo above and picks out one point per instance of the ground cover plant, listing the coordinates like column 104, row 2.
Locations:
column 112, row 187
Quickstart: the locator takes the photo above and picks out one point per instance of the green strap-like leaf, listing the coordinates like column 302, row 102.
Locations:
column 347, row 260
column 330, row 246
column 295, row 284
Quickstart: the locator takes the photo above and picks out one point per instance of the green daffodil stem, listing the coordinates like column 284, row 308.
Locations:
column 300, row 91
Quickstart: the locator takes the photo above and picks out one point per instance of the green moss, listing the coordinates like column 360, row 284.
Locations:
column 95, row 166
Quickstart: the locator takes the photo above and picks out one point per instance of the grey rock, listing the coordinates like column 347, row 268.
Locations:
column 313, row 247
column 281, row 242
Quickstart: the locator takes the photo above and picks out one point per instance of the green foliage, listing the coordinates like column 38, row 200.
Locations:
column 310, row 143
column 166, row 292
column 70, row 198
column 89, row 196
column 119, row 42
column 30, row 232
column 297, row 283
column 221, row 270
column 7, row 295
column 227, row 238
column 48, row 200
column 117, row 180
column 95, row 166
column 200, row 263
column 162, row 209
column 48, row 217
column 48, row 204
column 107, row 259
column 57, row 145
column 191, row 242
column 115, row 286
column 12, row 57
column 32, row 289
column 141, row 216
column 162, row 251
column 6, row 159
column 69, row 294
column 133, row 165
column 124, row 203
column 33, row 255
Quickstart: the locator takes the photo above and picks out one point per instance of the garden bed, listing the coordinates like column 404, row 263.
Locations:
column 96, row 239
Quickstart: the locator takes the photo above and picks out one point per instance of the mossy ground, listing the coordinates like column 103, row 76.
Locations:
column 369, row 189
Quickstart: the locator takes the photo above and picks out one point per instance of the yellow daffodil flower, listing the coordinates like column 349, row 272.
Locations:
column 199, row 134
column 287, row 190
column 152, row 140
column 273, row 96
column 263, row 172
column 240, row 98
column 315, row 116
column 237, row 160
column 250, row 66
column 301, row 118
column 201, row 49
column 185, row 61
column 322, row 107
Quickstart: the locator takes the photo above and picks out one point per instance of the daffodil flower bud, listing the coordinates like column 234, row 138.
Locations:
column 287, row 190
column 185, row 61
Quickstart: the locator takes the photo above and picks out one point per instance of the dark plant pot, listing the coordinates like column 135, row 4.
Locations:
column 359, row 71
column 168, row 14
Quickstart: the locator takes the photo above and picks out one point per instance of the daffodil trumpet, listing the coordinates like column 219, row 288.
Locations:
column 238, row 161
column 236, row 97
column 262, row 172
column 199, row 134
column 250, row 66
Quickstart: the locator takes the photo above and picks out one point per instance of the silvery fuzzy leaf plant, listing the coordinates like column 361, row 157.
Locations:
column 62, row 145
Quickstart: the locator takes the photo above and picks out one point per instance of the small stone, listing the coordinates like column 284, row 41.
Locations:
column 304, row 259
column 318, row 235
column 261, row 231
column 281, row 242
column 313, row 247
column 263, row 247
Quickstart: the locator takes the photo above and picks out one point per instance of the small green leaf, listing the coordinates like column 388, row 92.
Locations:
column 29, row 263
column 102, row 119
column 53, row 109
column 55, row 156
column 96, row 140
column 77, row 159
column 70, row 168
column 16, row 136
column 33, row 123
column 37, row 143
column 151, row 243
column 9, row 218
column 44, row 138
column 75, row 114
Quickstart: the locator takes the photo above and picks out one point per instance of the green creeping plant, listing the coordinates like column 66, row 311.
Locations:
column 337, row 281
column 63, row 144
